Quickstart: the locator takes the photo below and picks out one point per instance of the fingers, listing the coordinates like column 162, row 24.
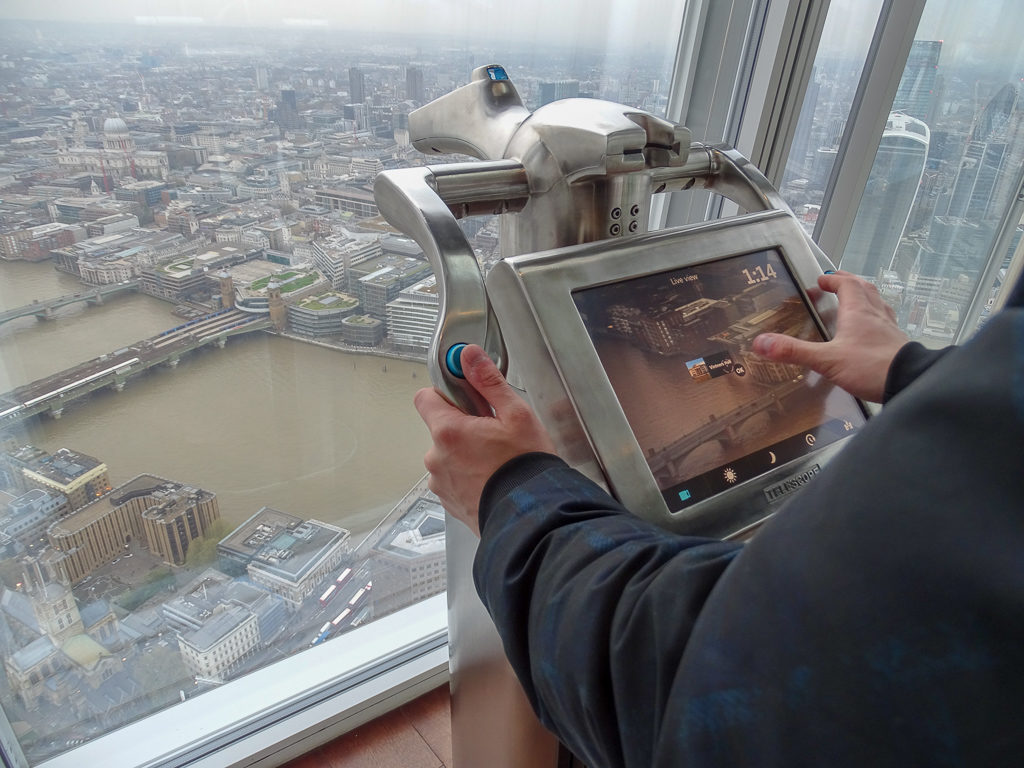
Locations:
column 483, row 374
column 785, row 349
column 431, row 407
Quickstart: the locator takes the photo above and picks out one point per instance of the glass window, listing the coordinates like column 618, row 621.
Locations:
column 209, row 340
column 845, row 39
column 946, row 173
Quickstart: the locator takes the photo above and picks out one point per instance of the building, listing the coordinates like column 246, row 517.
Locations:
column 28, row 517
column 409, row 560
column 916, row 95
column 77, row 477
column 363, row 330
column 414, row 85
column 379, row 281
column 356, row 199
column 412, row 317
column 225, row 639
column 111, row 258
column 557, row 90
column 116, row 158
column 284, row 554
column 145, row 194
column 337, row 255
column 356, row 85
column 35, row 243
column 165, row 516
column 888, row 197
column 288, row 111
column 323, row 314
column 183, row 278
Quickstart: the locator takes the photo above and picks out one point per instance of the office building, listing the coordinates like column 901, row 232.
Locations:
column 379, row 281
column 284, row 554
column 412, row 317
column 414, row 85
column 888, row 197
column 409, row 558
column 363, row 330
column 336, row 256
column 28, row 516
column 77, row 477
column 163, row 515
column 321, row 315
column 916, row 95
column 224, row 639
column 557, row 90
column 356, row 85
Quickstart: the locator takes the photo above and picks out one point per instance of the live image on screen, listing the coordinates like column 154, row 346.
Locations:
column 706, row 411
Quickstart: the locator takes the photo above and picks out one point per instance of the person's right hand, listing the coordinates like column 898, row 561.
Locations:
column 858, row 357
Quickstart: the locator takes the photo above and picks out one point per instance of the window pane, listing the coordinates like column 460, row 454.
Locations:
column 199, row 189
column 845, row 40
column 947, row 170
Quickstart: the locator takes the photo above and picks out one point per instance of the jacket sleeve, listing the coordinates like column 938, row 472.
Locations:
column 910, row 362
column 616, row 579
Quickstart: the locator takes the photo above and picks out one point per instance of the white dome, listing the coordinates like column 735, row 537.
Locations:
column 114, row 125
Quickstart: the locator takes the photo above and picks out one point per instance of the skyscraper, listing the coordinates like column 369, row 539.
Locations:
column 916, row 95
column 991, row 164
column 356, row 85
column 561, row 89
column 414, row 85
column 888, row 197
column 288, row 111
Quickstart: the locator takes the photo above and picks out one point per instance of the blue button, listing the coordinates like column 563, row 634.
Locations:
column 684, row 495
column 453, row 360
column 497, row 73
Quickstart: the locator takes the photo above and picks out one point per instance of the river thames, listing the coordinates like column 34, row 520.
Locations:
column 265, row 421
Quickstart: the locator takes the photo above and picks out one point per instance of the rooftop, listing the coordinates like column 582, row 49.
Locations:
column 281, row 544
column 418, row 533
column 65, row 466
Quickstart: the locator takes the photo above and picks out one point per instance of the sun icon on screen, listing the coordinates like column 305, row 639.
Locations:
column 730, row 475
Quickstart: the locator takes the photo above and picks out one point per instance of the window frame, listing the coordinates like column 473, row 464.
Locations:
column 318, row 695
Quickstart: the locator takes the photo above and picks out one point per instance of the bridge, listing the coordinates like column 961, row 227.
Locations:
column 43, row 310
column 51, row 395
column 666, row 464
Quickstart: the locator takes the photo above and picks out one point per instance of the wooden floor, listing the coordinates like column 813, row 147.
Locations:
column 417, row 735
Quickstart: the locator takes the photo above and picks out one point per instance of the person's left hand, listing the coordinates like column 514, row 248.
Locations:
column 467, row 449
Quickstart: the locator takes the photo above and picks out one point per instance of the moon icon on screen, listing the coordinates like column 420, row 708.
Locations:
column 771, row 454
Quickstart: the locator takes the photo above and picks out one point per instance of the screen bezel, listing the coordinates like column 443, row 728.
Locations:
column 546, row 282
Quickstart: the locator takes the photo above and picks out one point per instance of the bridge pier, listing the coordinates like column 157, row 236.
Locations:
column 95, row 300
column 221, row 341
column 118, row 386
column 173, row 362
column 56, row 413
column 46, row 314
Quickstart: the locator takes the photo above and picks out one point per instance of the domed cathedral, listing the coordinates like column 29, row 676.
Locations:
column 116, row 138
column 117, row 159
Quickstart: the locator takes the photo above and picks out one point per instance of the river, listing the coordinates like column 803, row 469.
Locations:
column 264, row 421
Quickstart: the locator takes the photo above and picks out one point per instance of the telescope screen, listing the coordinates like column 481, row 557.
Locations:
column 707, row 412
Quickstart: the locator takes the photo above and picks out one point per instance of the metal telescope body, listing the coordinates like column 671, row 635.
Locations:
column 572, row 172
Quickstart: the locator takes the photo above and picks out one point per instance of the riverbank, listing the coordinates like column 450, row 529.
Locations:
column 341, row 346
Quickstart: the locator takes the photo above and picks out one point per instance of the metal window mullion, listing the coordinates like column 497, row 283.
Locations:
column 797, row 26
column 712, row 50
column 883, row 69
column 1000, row 245
column 11, row 754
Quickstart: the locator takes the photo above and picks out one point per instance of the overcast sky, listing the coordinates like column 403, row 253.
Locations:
column 629, row 22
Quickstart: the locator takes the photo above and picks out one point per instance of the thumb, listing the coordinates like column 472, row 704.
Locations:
column 483, row 374
column 780, row 348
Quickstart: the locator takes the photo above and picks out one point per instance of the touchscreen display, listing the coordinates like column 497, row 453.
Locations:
column 707, row 412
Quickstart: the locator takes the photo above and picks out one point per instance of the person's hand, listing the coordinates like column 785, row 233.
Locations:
column 467, row 449
column 858, row 357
